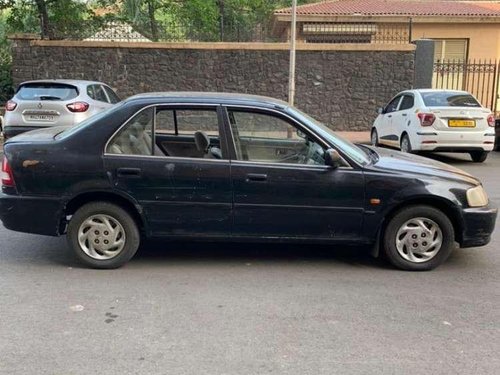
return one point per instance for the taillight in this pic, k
(426, 119)
(10, 105)
(7, 178)
(491, 120)
(78, 106)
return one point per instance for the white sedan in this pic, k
(436, 120)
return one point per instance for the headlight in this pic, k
(477, 197)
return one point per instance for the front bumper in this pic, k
(478, 225)
(31, 214)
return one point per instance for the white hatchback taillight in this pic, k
(7, 177)
(426, 119)
(78, 106)
(491, 120)
(10, 105)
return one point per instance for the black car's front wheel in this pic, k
(418, 238)
(103, 235)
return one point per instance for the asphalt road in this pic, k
(249, 309)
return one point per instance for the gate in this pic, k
(479, 77)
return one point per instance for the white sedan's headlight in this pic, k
(477, 197)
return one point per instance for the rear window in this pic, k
(449, 99)
(47, 91)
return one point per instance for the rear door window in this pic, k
(407, 102)
(113, 98)
(100, 94)
(393, 105)
(449, 99)
(47, 91)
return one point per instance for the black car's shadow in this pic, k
(237, 252)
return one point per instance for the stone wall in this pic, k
(341, 85)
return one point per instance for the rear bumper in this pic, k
(30, 214)
(12, 131)
(478, 225)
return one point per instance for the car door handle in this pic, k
(128, 172)
(389, 115)
(404, 114)
(256, 177)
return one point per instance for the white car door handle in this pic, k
(404, 114)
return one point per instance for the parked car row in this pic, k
(436, 121)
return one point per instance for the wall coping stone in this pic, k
(36, 41)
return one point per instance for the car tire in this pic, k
(374, 138)
(399, 241)
(103, 235)
(405, 144)
(478, 156)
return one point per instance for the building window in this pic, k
(450, 49)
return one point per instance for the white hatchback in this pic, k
(437, 121)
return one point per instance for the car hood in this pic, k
(395, 161)
(39, 135)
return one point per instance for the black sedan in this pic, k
(232, 167)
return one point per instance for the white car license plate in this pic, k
(45, 118)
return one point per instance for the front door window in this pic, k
(267, 138)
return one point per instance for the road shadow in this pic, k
(238, 252)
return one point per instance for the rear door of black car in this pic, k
(182, 193)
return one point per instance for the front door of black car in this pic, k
(171, 161)
(281, 185)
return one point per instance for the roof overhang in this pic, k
(282, 18)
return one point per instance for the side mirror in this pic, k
(332, 158)
(380, 111)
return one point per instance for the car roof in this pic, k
(217, 97)
(437, 90)
(79, 82)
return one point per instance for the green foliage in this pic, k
(6, 89)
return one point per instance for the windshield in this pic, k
(87, 122)
(350, 149)
(449, 99)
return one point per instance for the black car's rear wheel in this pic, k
(478, 156)
(418, 238)
(103, 235)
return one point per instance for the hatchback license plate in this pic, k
(461, 123)
(47, 118)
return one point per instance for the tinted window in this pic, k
(136, 137)
(187, 121)
(407, 102)
(448, 99)
(99, 93)
(47, 91)
(90, 91)
(113, 98)
(269, 138)
(393, 105)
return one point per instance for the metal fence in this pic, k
(479, 77)
(307, 32)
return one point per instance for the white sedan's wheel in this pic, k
(405, 144)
